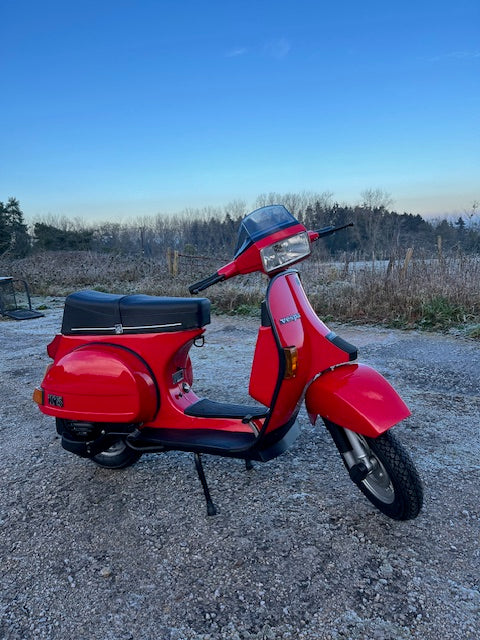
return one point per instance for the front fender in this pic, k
(356, 397)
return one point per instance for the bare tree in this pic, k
(473, 215)
(375, 204)
(235, 209)
(376, 199)
(296, 203)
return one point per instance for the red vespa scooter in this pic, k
(121, 380)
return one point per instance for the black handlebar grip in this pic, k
(327, 231)
(207, 282)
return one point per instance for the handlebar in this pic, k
(233, 268)
(327, 231)
(206, 282)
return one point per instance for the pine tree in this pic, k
(14, 236)
(4, 230)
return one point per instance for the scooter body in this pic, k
(122, 377)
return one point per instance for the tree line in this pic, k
(378, 232)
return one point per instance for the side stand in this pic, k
(211, 509)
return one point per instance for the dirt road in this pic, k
(296, 551)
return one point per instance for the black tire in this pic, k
(117, 456)
(393, 486)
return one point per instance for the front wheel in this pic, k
(383, 471)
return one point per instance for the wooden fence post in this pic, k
(406, 262)
(175, 264)
(390, 265)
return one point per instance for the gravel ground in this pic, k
(296, 551)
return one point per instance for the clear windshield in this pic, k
(262, 223)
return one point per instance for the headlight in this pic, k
(285, 252)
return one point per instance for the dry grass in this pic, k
(61, 272)
(432, 293)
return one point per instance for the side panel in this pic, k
(356, 397)
(169, 365)
(100, 383)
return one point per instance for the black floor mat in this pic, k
(210, 409)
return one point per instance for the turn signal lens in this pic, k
(38, 395)
(291, 362)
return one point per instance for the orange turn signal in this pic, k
(38, 395)
(291, 362)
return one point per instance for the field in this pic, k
(406, 292)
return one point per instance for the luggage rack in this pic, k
(15, 299)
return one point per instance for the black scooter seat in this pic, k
(90, 312)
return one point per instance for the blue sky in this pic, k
(117, 109)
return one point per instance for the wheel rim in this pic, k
(378, 481)
(116, 449)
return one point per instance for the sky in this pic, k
(117, 109)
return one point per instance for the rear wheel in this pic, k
(117, 456)
(382, 470)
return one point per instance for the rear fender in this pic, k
(100, 383)
(356, 397)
